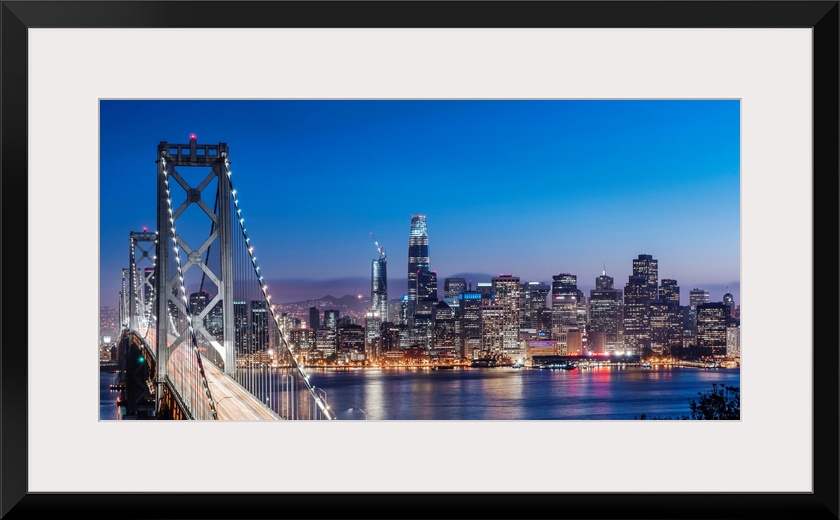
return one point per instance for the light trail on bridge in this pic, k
(233, 402)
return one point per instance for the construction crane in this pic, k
(379, 248)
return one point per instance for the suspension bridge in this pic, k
(200, 337)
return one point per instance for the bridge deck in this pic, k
(233, 402)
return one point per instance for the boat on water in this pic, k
(559, 366)
(646, 365)
(443, 367)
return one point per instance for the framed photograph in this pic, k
(753, 85)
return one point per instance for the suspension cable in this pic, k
(267, 298)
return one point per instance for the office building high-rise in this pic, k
(648, 267)
(351, 338)
(486, 290)
(470, 324)
(729, 301)
(379, 286)
(636, 315)
(492, 330)
(665, 327)
(642, 288)
(396, 310)
(331, 317)
(695, 297)
(214, 322)
(564, 308)
(507, 294)
(259, 326)
(389, 337)
(669, 291)
(534, 301)
(418, 254)
(373, 329)
(452, 287)
(314, 318)
(240, 324)
(378, 312)
(733, 339)
(605, 329)
(604, 281)
(666, 319)
(711, 329)
(198, 302)
(443, 319)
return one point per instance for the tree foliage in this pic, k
(722, 402)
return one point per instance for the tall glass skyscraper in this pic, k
(379, 287)
(418, 255)
(421, 281)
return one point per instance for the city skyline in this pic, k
(318, 177)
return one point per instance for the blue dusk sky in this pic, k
(531, 188)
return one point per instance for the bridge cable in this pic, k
(271, 308)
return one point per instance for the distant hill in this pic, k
(347, 305)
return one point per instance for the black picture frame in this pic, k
(19, 16)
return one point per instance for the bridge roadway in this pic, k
(233, 401)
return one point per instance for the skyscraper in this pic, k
(711, 329)
(198, 301)
(696, 297)
(564, 303)
(492, 330)
(331, 319)
(669, 291)
(534, 297)
(666, 319)
(470, 317)
(604, 281)
(443, 319)
(214, 322)
(507, 291)
(605, 317)
(259, 325)
(379, 287)
(636, 314)
(418, 255)
(733, 339)
(729, 301)
(240, 323)
(648, 267)
(314, 318)
(642, 287)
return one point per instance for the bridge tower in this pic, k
(125, 317)
(195, 249)
(140, 293)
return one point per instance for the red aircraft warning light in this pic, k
(192, 137)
